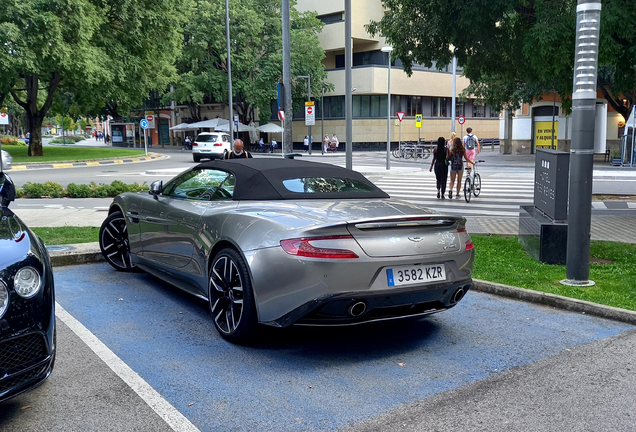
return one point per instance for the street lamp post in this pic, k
(308, 77)
(387, 50)
(322, 119)
(229, 68)
(577, 262)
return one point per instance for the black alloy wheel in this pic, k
(114, 243)
(468, 186)
(231, 297)
(477, 185)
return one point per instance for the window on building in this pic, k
(439, 107)
(331, 18)
(336, 106)
(459, 108)
(479, 109)
(369, 106)
(340, 61)
(396, 104)
(494, 112)
(413, 105)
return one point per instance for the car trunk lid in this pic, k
(408, 235)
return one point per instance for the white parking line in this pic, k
(177, 421)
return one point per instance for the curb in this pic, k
(556, 301)
(88, 253)
(32, 166)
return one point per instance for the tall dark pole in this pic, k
(288, 143)
(229, 69)
(322, 117)
(348, 87)
(588, 20)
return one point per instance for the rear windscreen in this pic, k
(312, 185)
(207, 138)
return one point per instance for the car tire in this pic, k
(114, 243)
(231, 297)
(196, 158)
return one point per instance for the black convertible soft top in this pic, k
(262, 178)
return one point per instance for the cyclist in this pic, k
(471, 142)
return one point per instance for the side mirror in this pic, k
(156, 188)
(7, 190)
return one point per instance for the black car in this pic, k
(27, 303)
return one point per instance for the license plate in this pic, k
(416, 274)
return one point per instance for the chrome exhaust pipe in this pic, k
(459, 294)
(357, 309)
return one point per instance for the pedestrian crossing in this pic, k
(499, 197)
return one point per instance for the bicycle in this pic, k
(472, 184)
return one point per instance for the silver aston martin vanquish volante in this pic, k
(285, 242)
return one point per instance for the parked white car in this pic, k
(210, 145)
(6, 161)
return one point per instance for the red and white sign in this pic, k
(281, 115)
(151, 121)
(310, 110)
(461, 119)
(400, 115)
(310, 115)
(4, 119)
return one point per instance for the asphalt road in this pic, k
(487, 364)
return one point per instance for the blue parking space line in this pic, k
(309, 379)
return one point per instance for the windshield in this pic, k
(207, 138)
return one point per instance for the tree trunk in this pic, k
(35, 116)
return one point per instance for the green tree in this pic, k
(256, 46)
(513, 50)
(98, 51)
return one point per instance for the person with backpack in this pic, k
(456, 157)
(471, 142)
(238, 152)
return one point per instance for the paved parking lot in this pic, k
(183, 373)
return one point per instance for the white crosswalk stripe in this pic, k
(500, 197)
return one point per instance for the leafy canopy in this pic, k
(513, 50)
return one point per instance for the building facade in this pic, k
(427, 92)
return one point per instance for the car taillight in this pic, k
(469, 244)
(218, 144)
(303, 247)
(194, 144)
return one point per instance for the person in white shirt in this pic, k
(471, 142)
(306, 144)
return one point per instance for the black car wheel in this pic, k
(114, 243)
(196, 158)
(231, 298)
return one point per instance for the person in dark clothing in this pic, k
(440, 161)
(238, 152)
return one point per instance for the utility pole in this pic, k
(309, 99)
(348, 87)
(288, 143)
(454, 101)
(588, 21)
(387, 50)
(229, 69)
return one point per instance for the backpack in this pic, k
(470, 142)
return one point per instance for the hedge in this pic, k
(91, 190)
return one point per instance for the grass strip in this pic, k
(69, 154)
(67, 235)
(503, 259)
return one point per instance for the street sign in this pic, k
(418, 120)
(310, 114)
(143, 123)
(151, 121)
(400, 115)
(461, 120)
(4, 118)
(236, 119)
(281, 115)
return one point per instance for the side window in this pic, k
(226, 138)
(204, 184)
